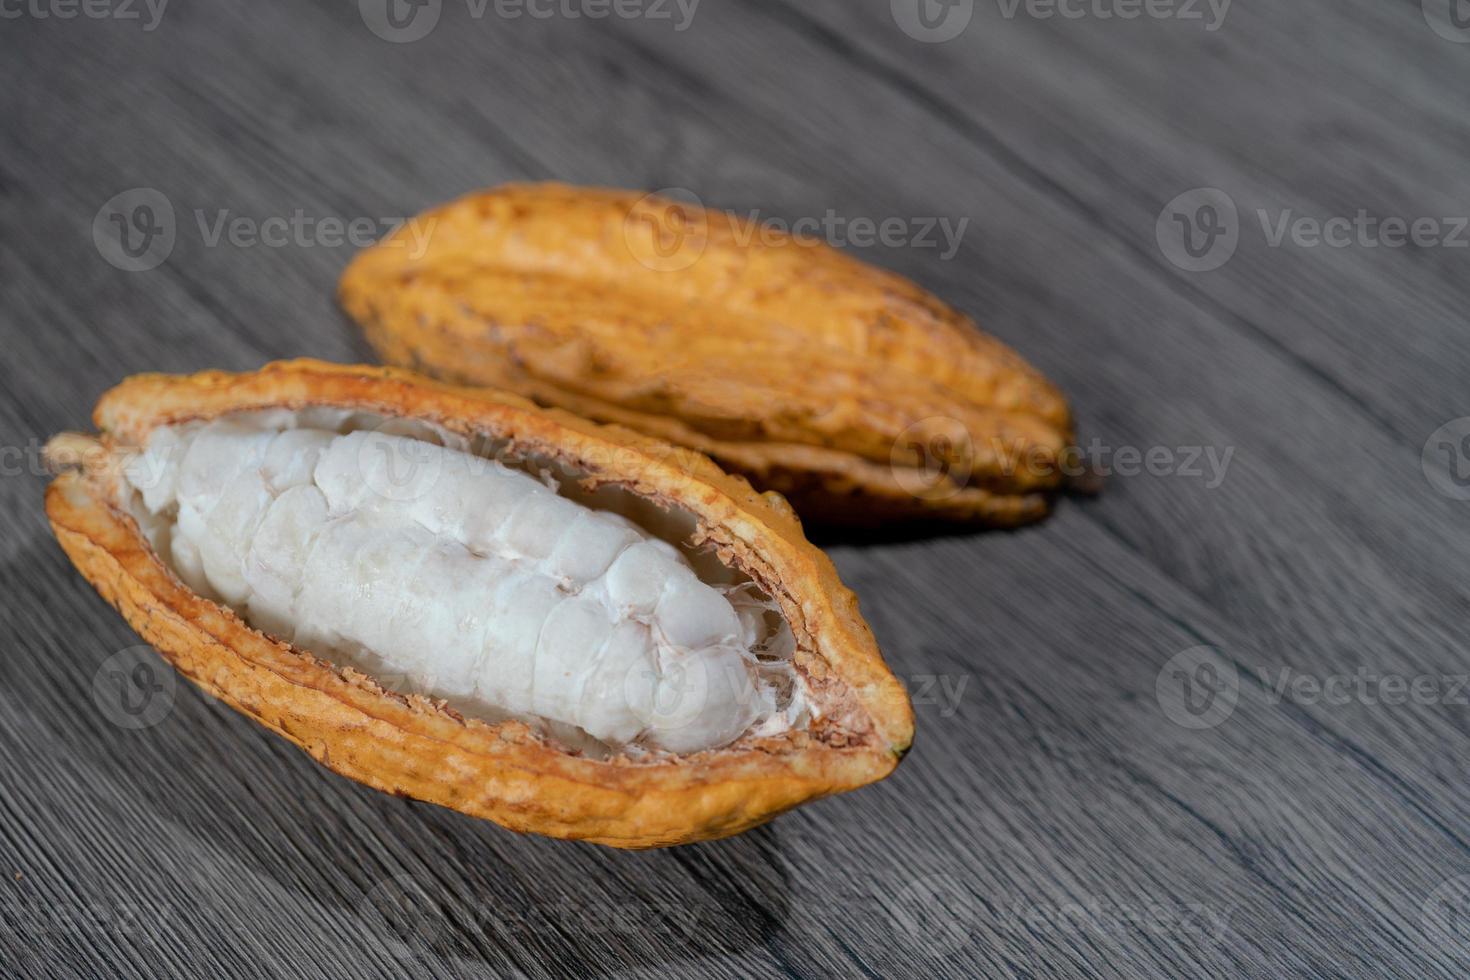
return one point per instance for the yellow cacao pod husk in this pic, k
(413, 745)
(850, 390)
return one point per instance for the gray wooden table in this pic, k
(1211, 723)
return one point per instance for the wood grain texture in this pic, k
(1053, 819)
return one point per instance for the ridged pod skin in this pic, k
(412, 746)
(852, 391)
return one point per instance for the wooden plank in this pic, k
(1053, 820)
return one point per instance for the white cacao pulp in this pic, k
(467, 579)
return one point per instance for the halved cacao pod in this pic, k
(855, 726)
(851, 390)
